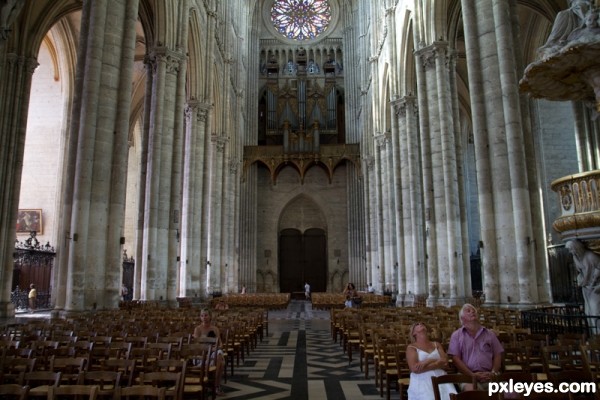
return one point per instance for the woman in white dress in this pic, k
(425, 359)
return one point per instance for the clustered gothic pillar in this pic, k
(411, 266)
(512, 246)
(161, 215)
(446, 256)
(15, 85)
(89, 267)
(193, 247)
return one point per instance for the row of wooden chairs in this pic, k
(84, 392)
(381, 342)
(191, 376)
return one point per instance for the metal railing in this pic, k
(20, 298)
(554, 321)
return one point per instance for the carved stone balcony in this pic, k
(329, 157)
(579, 197)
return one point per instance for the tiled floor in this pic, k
(299, 360)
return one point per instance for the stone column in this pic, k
(426, 274)
(89, 268)
(16, 71)
(193, 249)
(451, 285)
(412, 263)
(505, 164)
(248, 224)
(141, 191)
(15, 85)
(217, 162)
(377, 195)
(163, 161)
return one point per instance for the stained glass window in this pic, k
(301, 19)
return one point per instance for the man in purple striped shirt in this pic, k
(475, 350)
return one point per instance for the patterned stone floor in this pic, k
(299, 360)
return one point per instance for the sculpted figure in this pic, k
(566, 22)
(590, 30)
(587, 264)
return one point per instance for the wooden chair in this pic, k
(13, 391)
(195, 380)
(164, 349)
(388, 370)
(558, 358)
(591, 360)
(107, 382)
(170, 365)
(145, 358)
(549, 396)
(141, 392)
(455, 379)
(75, 392)
(15, 368)
(516, 376)
(137, 341)
(40, 381)
(125, 367)
(176, 343)
(403, 371)
(474, 395)
(69, 367)
(42, 351)
(367, 346)
(171, 381)
(514, 359)
(119, 349)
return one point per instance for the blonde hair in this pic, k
(411, 335)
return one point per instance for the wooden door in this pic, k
(302, 258)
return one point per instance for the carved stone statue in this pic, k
(569, 67)
(9, 10)
(566, 21)
(590, 31)
(587, 264)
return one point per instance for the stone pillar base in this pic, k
(7, 310)
(445, 301)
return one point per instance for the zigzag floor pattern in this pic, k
(298, 360)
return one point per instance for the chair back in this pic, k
(138, 391)
(474, 395)
(13, 391)
(78, 392)
(450, 378)
(107, 382)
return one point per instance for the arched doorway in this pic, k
(302, 258)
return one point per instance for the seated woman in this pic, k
(351, 294)
(425, 359)
(207, 330)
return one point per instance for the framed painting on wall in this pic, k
(29, 220)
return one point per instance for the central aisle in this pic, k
(298, 360)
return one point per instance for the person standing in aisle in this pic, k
(307, 290)
(32, 298)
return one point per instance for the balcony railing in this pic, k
(579, 201)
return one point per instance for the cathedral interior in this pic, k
(189, 148)
(305, 187)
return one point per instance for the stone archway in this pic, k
(302, 246)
